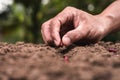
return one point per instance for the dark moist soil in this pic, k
(26, 61)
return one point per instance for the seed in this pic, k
(112, 50)
(66, 59)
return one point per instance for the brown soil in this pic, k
(23, 61)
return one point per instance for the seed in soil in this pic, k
(112, 50)
(66, 59)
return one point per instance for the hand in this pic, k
(74, 25)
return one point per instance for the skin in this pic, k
(76, 26)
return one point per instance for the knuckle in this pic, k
(101, 31)
(46, 24)
(53, 21)
(69, 7)
(43, 25)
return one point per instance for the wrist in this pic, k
(111, 17)
(106, 20)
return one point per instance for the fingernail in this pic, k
(56, 42)
(61, 44)
(66, 40)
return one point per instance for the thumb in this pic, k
(72, 36)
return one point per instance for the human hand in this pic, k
(74, 25)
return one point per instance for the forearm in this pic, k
(112, 16)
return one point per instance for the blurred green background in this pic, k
(22, 19)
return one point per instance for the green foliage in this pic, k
(22, 22)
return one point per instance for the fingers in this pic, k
(45, 30)
(73, 36)
(55, 30)
(50, 32)
(51, 29)
(72, 25)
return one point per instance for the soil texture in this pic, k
(27, 61)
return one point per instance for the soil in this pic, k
(27, 61)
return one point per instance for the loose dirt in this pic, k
(27, 61)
